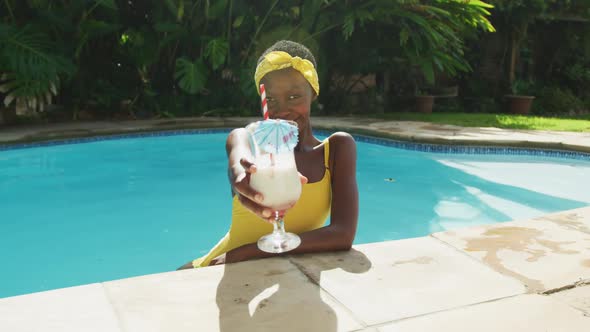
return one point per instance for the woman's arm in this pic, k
(340, 234)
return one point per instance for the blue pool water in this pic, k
(82, 213)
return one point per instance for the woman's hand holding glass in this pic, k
(250, 198)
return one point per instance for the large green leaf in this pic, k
(216, 52)
(238, 22)
(191, 76)
(28, 91)
(479, 4)
(30, 69)
(427, 70)
(348, 27)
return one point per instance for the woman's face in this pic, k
(288, 95)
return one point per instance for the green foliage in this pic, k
(494, 120)
(191, 76)
(430, 33)
(523, 87)
(185, 57)
(555, 100)
(578, 73)
(30, 70)
(216, 52)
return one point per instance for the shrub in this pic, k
(554, 100)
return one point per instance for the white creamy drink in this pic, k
(279, 183)
(273, 143)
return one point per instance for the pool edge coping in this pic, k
(130, 127)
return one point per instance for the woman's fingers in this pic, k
(242, 180)
(248, 165)
(303, 178)
(242, 186)
(260, 211)
(250, 198)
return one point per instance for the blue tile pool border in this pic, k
(474, 149)
(108, 137)
(405, 145)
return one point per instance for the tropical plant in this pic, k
(31, 72)
(186, 57)
(429, 33)
(521, 87)
(407, 43)
(40, 57)
(556, 100)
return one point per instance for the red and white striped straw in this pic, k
(263, 100)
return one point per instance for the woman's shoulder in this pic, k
(341, 139)
(342, 156)
(342, 149)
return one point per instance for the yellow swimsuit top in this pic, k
(309, 213)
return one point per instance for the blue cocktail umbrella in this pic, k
(276, 136)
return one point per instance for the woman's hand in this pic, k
(250, 198)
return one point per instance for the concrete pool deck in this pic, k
(524, 275)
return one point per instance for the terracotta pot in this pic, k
(424, 104)
(519, 104)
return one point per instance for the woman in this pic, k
(327, 168)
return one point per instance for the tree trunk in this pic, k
(513, 57)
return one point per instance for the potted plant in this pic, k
(513, 18)
(424, 102)
(521, 99)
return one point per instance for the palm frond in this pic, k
(30, 71)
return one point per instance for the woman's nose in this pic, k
(278, 109)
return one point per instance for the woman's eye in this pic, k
(293, 97)
(269, 99)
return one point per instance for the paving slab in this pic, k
(578, 297)
(545, 253)
(82, 308)
(399, 279)
(263, 295)
(518, 314)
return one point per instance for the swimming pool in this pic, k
(73, 214)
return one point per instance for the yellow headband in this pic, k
(277, 60)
